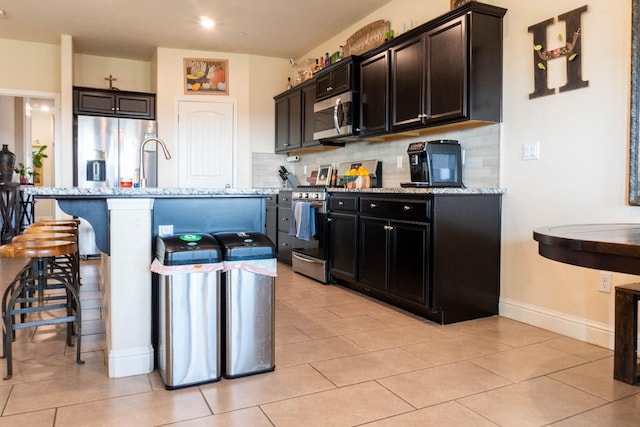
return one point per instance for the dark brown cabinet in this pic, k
(285, 240)
(374, 95)
(308, 93)
(294, 119)
(288, 121)
(436, 255)
(394, 245)
(343, 237)
(336, 79)
(447, 71)
(271, 218)
(98, 102)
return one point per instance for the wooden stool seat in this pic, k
(67, 237)
(625, 353)
(64, 222)
(38, 249)
(51, 229)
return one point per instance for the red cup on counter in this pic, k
(126, 182)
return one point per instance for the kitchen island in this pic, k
(126, 222)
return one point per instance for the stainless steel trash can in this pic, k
(248, 304)
(188, 309)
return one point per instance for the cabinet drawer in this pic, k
(397, 209)
(284, 215)
(337, 203)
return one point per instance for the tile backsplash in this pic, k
(481, 168)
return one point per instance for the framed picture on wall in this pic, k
(206, 76)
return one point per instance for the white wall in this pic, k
(581, 176)
(251, 81)
(91, 70)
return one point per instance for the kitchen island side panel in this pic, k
(466, 256)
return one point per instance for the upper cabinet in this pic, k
(102, 102)
(444, 73)
(374, 95)
(334, 80)
(448, 72)
(288, 121)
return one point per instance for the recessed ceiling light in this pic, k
(206, 22)
(2, 13)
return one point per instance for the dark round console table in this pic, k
(611, 247)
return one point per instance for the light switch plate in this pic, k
(165, 230)
(531, 151)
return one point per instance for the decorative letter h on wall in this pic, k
(571, 52)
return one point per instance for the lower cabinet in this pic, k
(285, 240)
(437, 255)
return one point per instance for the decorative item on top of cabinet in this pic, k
(457, 3)
(116, 103)
(366, 38)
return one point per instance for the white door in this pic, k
(206, 135)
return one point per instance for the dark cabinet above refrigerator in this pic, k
(116, 103)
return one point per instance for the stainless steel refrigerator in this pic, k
(106, 151)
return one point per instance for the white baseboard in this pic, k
(596, 333)
(136, 361)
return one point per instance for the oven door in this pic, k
(333, 117)
(309, 257)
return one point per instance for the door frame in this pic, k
(57, 134)
(234, 131)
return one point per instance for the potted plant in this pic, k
(26, 172)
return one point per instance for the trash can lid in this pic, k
(187, 248)
(245, 246)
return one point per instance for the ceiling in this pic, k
(132, 29)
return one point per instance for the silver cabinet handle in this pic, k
(284, 244)
(329, 220)
(341, 203)
(373, 206)
(407, 208)
(329, 88)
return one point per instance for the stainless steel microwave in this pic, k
(334, 117)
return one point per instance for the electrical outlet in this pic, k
(604, 282)
(165, 230)
(399, 162)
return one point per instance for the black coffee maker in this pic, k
(435, 164)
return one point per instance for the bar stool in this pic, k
(57, 222)
(73, 260)
(31, 292)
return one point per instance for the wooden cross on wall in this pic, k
(111, 80)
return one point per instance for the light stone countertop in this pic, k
(75, 192)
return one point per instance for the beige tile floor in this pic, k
(341, 360)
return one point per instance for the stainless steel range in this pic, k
(310, 257)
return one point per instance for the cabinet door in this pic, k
(374, 95)
(142, 106)
(282, 124)
(343, 241)
(308, 99)
(372, 253)
(446, 75)
(407, 84)
(289, 122)
(408, 267)
(94, 103)
(271, 223)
